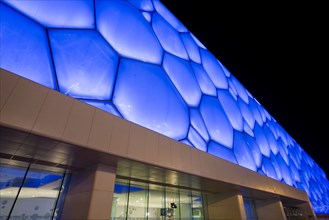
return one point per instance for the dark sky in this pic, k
(279, 53)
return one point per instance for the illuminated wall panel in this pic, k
(24, 47)
(136, 60)
(85, 63)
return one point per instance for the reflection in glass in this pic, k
(38, 195)
(156, 201)
(137, 205)
(250, 209)
(137, 200)
(31, 193)
(120, 199)
(11, 180)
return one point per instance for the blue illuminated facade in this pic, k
(136, 60)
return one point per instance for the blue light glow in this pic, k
(242, 152)
(191, 47)
(231, 109)
(59, 14)
(206, 85)
(197, 140)
(171, 19)
(214, 69)
(198, 123)
(254, 108)
(246, 113)
(240, 89)
(262, 140)
(218, 125)
(24, 48)
(140, 63)
(157, 105)
(125, 28)
(185, 81)
(145, 5)
(268, 168)
(254, 149)
(104, 105)
(168, 37)
(221, 151)
(271, 140)
(85, 64)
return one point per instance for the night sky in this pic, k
(279, 53)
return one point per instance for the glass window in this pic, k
(156, 202)
(31, 192)
(172, 203)
(197, 205)
(137, 201)
(185, 204)
(120, 199)
(250, 209)
(11, 179)
(38, 196)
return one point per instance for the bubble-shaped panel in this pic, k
(285, 171)
(214, 69)
(24, 48)
(197, 41)
(157, 105)
(104, 105)
(254, 108)
(232, 87)
(271, 139)
(197, 141)
(125, 28)
(182, 75)
(227, 73)
(240, 89)
(262, 140)
(294, 171)
(85, 64)
(276, 167)
(191, 47)
(206, 85)
(58, 14)
(221, 151)
(147, 16)
(246, 113)
(197, 101)
(242, 152)
(219, 127)
(170, 18)
(198, 123)
(271, 124)
(268, 168)
(254, 149)
(247, 129)
(168, 36)
(145, 5)
(231, 108)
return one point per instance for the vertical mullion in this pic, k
(19, 191)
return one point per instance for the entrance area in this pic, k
(138, 200)
(31, 191)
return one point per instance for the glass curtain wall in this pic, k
(31, 192)
(250, 209)
(136, 200)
